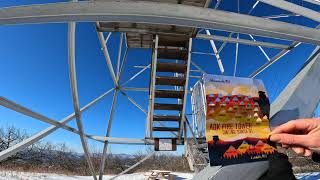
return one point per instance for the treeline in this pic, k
(59, 158)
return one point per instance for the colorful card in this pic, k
(237, 120)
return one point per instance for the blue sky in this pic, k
(34, 73)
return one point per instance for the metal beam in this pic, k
(23, 110)
(124, 61)
(230, 35)
(276, 58)
(158, 13)
(152, 86)
(107, 57)
(261, 49)
(186, 89)
(131, 141)
(136, 75)
(74, 90)
(300, 98)
(134, 103)
(38, 136)
(241, 41)
(280, 16)
(119, 57)
(198, 67)
(217, 4)
(105, 147)
(236, 58)
(291, 7)
(215, 50)
(317, 2)
(134, 89)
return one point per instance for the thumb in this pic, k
(290, 139)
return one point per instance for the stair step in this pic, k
(173, 53)
(174, 41)
(169, 94)
(166, 118)
(162, 106)
(171, 81)
(165, 129)
(171, 67)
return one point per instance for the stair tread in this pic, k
(166, 118)
(165, 129)
(173, 81)
(171, 67)
(173, 53)
(169, 94)
(165, 106)
(176, 41)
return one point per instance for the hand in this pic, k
(302, 135)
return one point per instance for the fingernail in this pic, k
(274, 138)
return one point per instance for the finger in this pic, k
(307, 153)
(290, 139)
(298, 150)
(285, 146)
(291, 126)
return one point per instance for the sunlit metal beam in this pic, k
(157, 13)
(294, 8)
(74, 90)
(38, 136)
(317, 2)
(215, 50)
(241, 41)
(106, 144)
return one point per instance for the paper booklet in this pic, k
(237, 120)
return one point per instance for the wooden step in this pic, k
(165, 129)
(166, 118)
(171, 67)
(171, 107)
(174, 41)
(173, 53)
(170, 81)
(169, 94)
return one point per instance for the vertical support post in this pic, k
(149, 123)
(183, 118)
(75, 99)
(106, 143)
(185, 138)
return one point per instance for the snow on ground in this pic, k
(15, 175)
(309, 176)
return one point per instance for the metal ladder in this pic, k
(171, 56)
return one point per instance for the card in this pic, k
(237, 120)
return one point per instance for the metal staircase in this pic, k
(169, 83)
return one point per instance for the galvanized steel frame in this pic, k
(155, 13)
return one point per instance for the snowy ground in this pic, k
(14, 175)
(309, 176)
